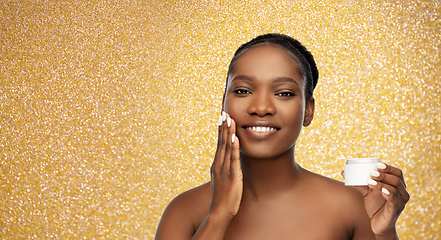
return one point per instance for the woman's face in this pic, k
(266, 98)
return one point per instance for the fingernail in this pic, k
(385, 191)
(375, 173)
(224, 116)
(381, 165)
(234, 138)
(371, 182)
(228, 121)
(220, 121)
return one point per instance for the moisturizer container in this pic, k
(358, 170)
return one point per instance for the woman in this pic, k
(257, 190)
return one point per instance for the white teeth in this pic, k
(261, 129)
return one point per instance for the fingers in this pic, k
(391, 170)
(392, 201)
(226, 175)
(220, 151)
(235, 160)
(390, 181)
(394, 177)
(229, 127)
(223, 157)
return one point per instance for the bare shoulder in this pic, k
(192, 200)
(185, 213)
(343, 201)
(334, 190)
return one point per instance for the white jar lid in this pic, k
(362, 160)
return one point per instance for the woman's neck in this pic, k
(269, 177)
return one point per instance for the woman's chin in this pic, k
(264, 152)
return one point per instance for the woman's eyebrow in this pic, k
(285, 79)
(242, 77)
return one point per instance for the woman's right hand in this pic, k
(226, 173)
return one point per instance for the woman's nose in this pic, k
(262, 104)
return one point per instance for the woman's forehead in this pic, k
(266, 59)
(269, 45)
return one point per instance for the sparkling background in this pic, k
(108, 108)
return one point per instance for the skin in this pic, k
(257, 190)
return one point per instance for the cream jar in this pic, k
(358, 170)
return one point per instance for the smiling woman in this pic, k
(257, 189)
(274, 97)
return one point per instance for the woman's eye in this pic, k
(241, 91)
(285, 94)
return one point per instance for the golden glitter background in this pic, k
(108, 108)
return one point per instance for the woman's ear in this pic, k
(309, 112)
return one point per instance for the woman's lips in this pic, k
(261, 129)
(260, 132)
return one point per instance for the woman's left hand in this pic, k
(384, 199)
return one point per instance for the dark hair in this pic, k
(305, 59)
